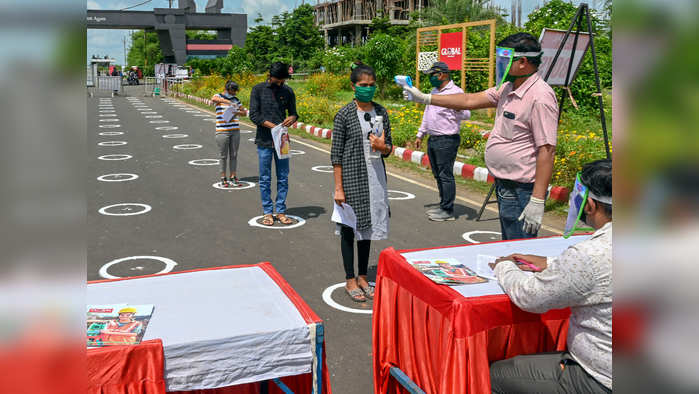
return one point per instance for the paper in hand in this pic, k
(483, 268)
(230, 112)
(280, 136)
(344, 214)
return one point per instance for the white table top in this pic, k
(218, 327)
(467, 254)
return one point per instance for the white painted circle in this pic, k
(117, 177)
(107, 111)
(109, 126)
(296, 152)
(327, 297)
(203, 115)
(467, 235)
(159, 121)
(164, 128)
(209, 120)
(251, 139)
(105, 106)
(322, 168)
(106, 115)
(109, 120)
(253, 222)
(108, 133)
(144, 109)
(175, 136)
(149, 113)
(245, 131)
(112, 143)
(169, 265)
(146, 208)
(187, 146)
(248, 185)
(204, 162)
(153, 116)
(405, 195)
(115, 157)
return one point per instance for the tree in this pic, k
(557, 14)
(153, 55)
(386, 54)
(200, 35)
(297, 36)
(444, 12)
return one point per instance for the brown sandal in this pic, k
(283, 219)
(268, 220)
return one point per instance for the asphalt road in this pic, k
(196, 225)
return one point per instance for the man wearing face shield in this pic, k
(580, 278)
(521, 148)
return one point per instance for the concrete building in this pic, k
(347, 21)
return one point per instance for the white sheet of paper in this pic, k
(344, 215)
(229, 113)
(482, 267)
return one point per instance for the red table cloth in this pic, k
(444, 341)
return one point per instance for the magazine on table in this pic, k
(447, 271)
(117, 324)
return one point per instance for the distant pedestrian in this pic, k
(273, 103)
(360, 177)
(443, 126)
(228, 132)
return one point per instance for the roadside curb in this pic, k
(463, 170)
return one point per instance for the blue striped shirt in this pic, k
(221, 125)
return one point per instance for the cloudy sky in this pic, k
(109, 42)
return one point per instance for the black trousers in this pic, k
(347, 249)
(541, 373)
(441, 149)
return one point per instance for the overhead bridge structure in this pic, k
(171, 24)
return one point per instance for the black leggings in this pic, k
(347, 248)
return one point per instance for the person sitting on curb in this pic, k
(443, 126)
(580, 278)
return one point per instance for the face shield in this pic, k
(576, 207)
(503, 61)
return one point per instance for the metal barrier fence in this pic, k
(109, 83)
(153, 86)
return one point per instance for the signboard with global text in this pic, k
(451, 49)
(550, 41)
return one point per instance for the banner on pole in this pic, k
(451, 51)
(550, 40)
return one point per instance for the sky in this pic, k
(109, 42)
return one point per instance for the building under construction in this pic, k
(347, 21)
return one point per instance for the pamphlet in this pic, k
(280, 136)
(344, 214)
(117, 324)
(229, 112)
(447, 271)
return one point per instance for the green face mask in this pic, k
(435, 81)
(364, 93)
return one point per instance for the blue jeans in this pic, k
(512, 198)
(265, 156)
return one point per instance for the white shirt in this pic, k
(580, 278)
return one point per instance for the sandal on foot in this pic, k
(357, 295)
(268, 220)
(224, 181)
(368, 291)
(283, 219)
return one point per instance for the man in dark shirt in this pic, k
(272, 103)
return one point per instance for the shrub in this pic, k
(326, 84)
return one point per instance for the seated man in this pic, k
(580, 278)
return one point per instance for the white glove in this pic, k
(532, 215)
(417, 95)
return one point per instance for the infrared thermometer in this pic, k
(404, 80)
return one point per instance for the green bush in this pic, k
(326, 84)
(385, 55)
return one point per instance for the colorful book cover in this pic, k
(117, 324)
(447, 271)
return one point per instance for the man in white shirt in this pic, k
(581, 279)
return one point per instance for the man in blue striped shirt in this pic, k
(228, 131)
